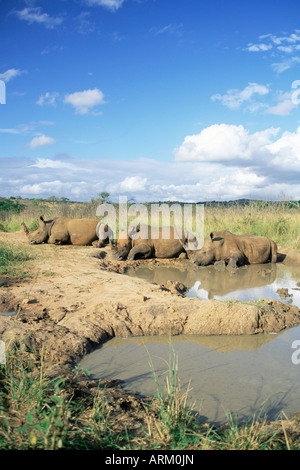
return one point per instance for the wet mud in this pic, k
(74, 299)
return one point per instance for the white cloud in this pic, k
(133, 184)
(174, 29)
(257, 165)
(9, 131)
(281, 47)
(85, 25)
(287, 49)
(41, 141)
(112, 5)
(35, 15)
(233, 99)
(284, 65)
(286, 150)
(48, 163)
(84, 101)
(10, 73)
(284, 106)
(48, 99)
(25, 128)
(259, 47)
(223, 142)
(286, 44)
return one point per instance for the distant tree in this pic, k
(101, 198)
(10, 205)
(104, 197)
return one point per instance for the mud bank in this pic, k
(77, 297)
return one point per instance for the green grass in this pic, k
(42, 413)
(12, 259)
(279, 221)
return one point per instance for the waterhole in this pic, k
(265, 281)
(241, 375)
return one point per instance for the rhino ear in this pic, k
(216, 236)
(25, 229)
(42, 218)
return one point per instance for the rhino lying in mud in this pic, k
(145, 242)
(64, 230)
(235, 250)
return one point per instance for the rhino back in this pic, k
(82, 231)
(164, 241)
(256, 249)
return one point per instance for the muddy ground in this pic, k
(74, 298)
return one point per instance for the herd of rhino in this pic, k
(142, 242)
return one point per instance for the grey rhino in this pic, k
(64, 230)
(235, 250)
(144, 241)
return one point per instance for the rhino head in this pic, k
(104, 234)
(124, 243)
(40, 235)
(210, 250)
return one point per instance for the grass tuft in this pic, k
(12, 259)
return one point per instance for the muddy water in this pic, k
(242, 375)
(246, 283)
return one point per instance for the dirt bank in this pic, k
(77, 297)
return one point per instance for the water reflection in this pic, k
(247, 283)
(242, 375)
(238, 374)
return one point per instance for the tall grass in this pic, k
(279, 221)
(38, 412)
(173, 424)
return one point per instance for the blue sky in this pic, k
(188, 100)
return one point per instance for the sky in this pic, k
(154, 100)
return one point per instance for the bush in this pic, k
(11, 206)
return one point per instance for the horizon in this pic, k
(163, 101)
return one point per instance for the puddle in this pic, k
(247, 283)
(242, 375)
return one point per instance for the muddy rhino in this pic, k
(64, 230)
(235, 250)
(145, 242)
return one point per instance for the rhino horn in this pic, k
(25, 229)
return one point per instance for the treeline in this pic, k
(17, 204)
